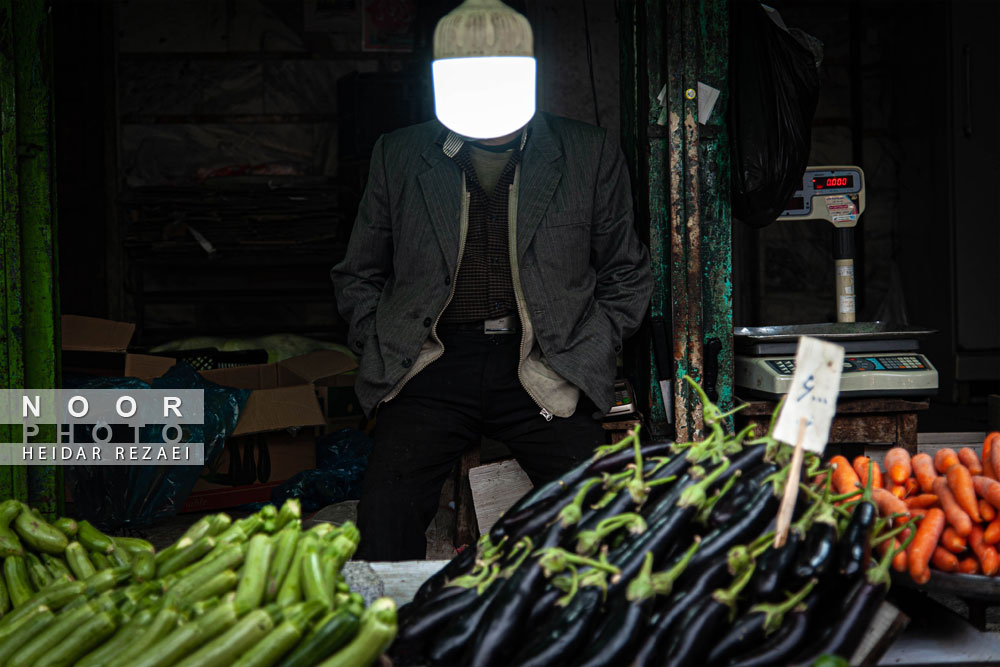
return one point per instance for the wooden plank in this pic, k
(495, 488)
(888, 623)
(952, 439)
(401, 579)
(465, 525)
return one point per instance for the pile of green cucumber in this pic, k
(254, 592)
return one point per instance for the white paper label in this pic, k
(813, 395)
(707, 97)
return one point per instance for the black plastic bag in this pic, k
(138, 495)
(341, 461)
(774, 87)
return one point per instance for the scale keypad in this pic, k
(909, 362)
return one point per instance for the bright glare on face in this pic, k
(485, 97)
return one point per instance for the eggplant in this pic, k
(773, 570)
(564, 633)
(545, 603)
(451, 640)
(433, 616)
(845, 634)
(663, 622)
(734, 502)
(755, 517)
(750, 630)
(616, 639)
(459, 565)
(817, 555)
(551, 512)
(786, 642)
(748, 459)
(854, 547)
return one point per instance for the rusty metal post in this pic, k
(681, 179)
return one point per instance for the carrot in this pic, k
(922, 501)
(897, 464)
(987, 488)
(968, 457)
(923, 468)
(952, 541)
(898, 490)
(960, 483)
(845, 479)
(945, 458)
(987, 459)
(889, 504)
(989, 559)
(912, 487)
(861, 464)
(968, 565)
(992, 533)
(918, 511)
(957, 517)
(922, 548)
(944, 560)
(899, 560)
(987, 511)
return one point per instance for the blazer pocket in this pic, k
(567, 218)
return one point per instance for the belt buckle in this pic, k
(499, 325)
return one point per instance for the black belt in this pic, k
(496, 326)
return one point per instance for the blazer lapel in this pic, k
(442, 186)
(538, 181)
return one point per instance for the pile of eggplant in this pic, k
(661, 554)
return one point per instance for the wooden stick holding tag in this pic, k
(791, 488)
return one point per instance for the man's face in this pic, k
(484, 97)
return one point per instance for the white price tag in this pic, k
(813, 395)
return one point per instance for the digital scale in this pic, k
(880, 359)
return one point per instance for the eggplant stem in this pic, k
(706, 510)
(889, 534)
(660, 482)
(774, 613)
(757, 548)
(695, 494)
(641, 587)
(574, 586)
(663, 582)
(879, 575)
(727, 596)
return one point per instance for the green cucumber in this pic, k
(198, 529)
(378, 629)
(321, 530)
(204, 571)
(55, 596)
(37, 574)
(91, 633)
(39, 534)
(184, 557)
(122, 639)
(10, 545)
(182, 543)
(66, 526)
(221, 583)
(290, 511)
(55, 632)
(222, 651)
(275, 645)
(121, 557)
(290, 591)
(99, 560)
(220, 523)
(57, 567)
(33, 624)
(182, 641)
(133, 545)
(284, 551)
(4, 598)
(254, 573)
(79, 563)
(105, 580)
(144, 566)
(15, 573)
(332, 632)
(316, 583)
(93, 539)
(164, 623)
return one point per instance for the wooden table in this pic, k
(858, 420)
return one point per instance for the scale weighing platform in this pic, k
(879, 359)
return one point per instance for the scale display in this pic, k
(883, 374)
(835, 194)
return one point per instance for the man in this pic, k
(489, 285)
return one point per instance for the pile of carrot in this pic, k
(954, 496)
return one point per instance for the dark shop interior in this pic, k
(733, 261)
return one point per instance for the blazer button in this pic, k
(618, 348)
(447, 280)
(427, 321)
(360, 344)
(407, 363)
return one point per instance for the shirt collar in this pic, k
(453, 142)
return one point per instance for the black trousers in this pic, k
(470, 392)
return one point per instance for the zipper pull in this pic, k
(545, 413)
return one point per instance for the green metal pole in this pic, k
(13, 480)
(39, 260)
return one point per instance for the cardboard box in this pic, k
(285, 395)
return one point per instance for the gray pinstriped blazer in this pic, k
(584, 274)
